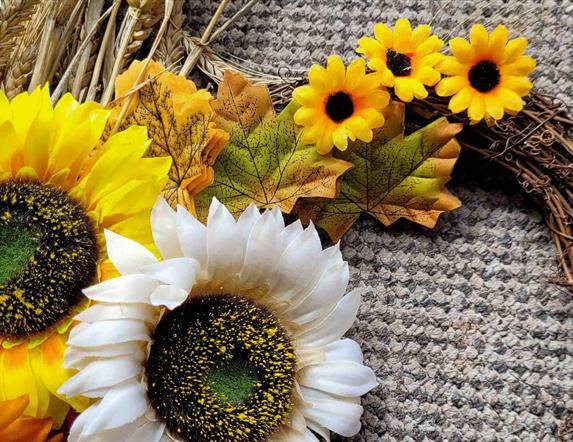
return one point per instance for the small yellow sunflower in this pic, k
(338, 104)
(17, 427)
(406, 60)
(488, 75)
(60, 187)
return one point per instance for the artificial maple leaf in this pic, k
(394, 176)
(265, 161)
(178, 118)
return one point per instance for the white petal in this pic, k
(148, 432)
(288, 434)
(80, 423)
(298, 264)
(77, 358)
(290, 232)
(126, 255)
(342, 378)
(109, 332)
(263, 251)
(323, 296)
(164, 229)
(120, 406)
(106, 312)
(180, 272)
(123, 433)
(319, 429)
(101, 374)
(278, 216)
(343, 350)
(169, 296)
(192, 236)
(225, 245)
(247, 220)
(124, 289)
(338, 415)
(335, 324)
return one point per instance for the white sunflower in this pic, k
(234, 335)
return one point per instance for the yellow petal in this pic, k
(428, 76)
(514, 49)
(384, 35)
(336, 73)
(373, 117)
(371, 48)
(27, 429)
(312, 134)
(476, 111)
(388, 78)
(305, 116)
(402, 36)
(510, 100)
(306, 96)
(479, 39)
(340, 138)
(519, 85)
(461, 101)
(462, 50)
(432, 44)
(360, 128)
(324, 145)
(451, 66)
(17, 377)
(12, 409)
(450, 86)
(523, 65)
(493, 106)
(356, 73)
(403, 89)
(317, 77)
(377, 99)
(420, 34)
(497, 42)
(418, 89)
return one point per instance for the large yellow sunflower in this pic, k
(60, 187)
(339, 104)
(406, 60)
(488, 75)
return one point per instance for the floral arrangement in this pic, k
(150, 287)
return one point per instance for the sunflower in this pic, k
(16, 427)
(488, 75)
(339, 104)
(405, 60)
(59, 189)
(233, 336)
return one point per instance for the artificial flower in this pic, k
(17, 427)
(234, 335)
(488, 75)
(405, 59)
(339, 103)
(59, 189)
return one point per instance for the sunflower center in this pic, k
(232, 381)
(48, 255)
(484, 76)
(17, 245)
(339, 106)
(221, 368)
(399, 64)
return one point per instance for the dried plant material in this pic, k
(178, 118)
(14, 14)
(394, 176)
(265, 161)
(171, 50)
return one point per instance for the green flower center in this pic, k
(48, 254)
(17, 245)
(339, 106)
(221, 368)
(484, 76)
(399, 64)
(232, 381)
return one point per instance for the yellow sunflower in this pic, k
(17, 427)
(488, 75)
(60, 187)
(339, 103)
(405, 59)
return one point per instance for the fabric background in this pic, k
(469, 338)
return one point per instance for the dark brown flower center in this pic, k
(399, 64)
(339, 107)
(484, 76)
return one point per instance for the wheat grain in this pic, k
(14, 14)
(171, 50)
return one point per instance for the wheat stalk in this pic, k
(171, 50)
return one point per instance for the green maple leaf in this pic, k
(394, 176)
(265, 161)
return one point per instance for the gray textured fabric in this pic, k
(468, 338)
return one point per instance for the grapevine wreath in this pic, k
(170, 260)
